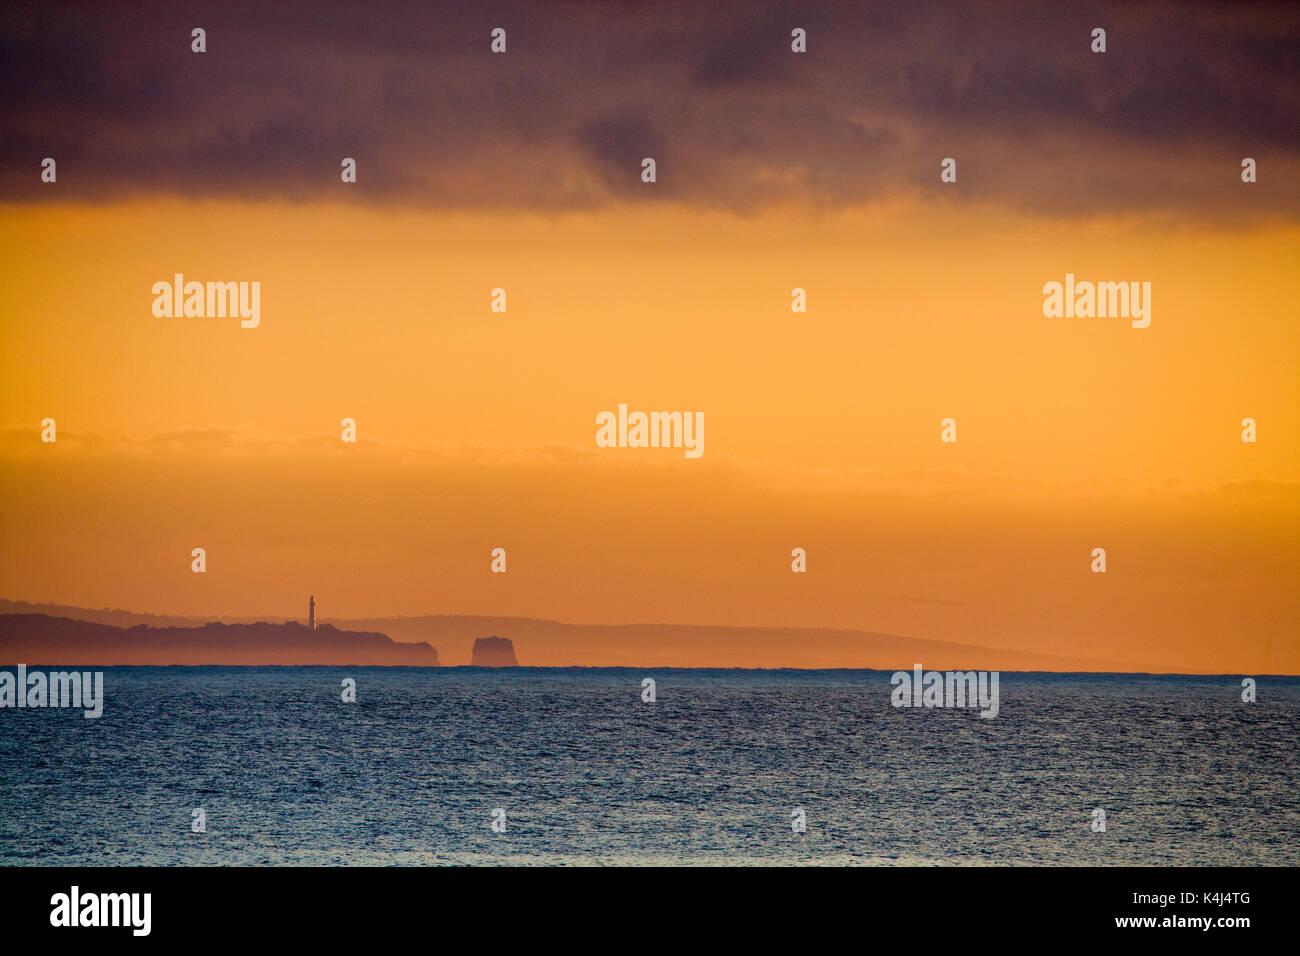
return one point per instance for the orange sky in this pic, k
(476, 429)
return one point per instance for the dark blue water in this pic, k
(588, 773)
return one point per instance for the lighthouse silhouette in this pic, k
(311, 613)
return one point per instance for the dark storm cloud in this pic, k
(619, 143)
(734, 119)
(754, 49)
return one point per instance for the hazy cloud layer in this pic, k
(20, 447)
(734, 119)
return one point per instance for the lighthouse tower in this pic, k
(311, 613)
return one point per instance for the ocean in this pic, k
(714, 771)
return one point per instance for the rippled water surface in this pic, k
(588, 773)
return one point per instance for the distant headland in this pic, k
(544, 643)
(42, 639)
